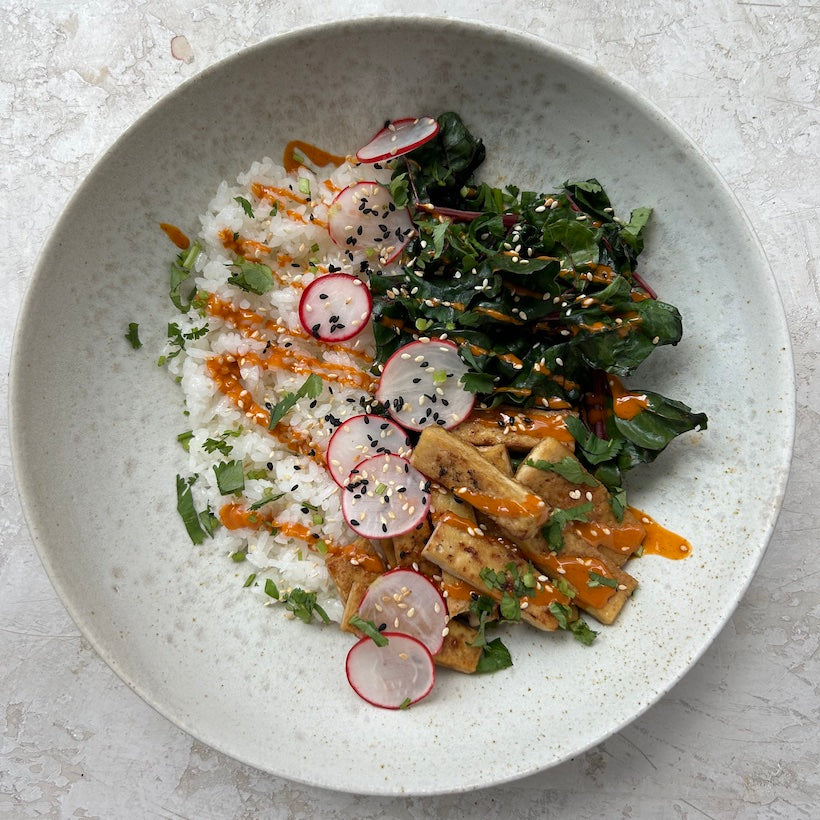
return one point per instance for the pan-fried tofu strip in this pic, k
(386, 545)
(457, 651)
(461, 468)
(498, 455)
(408, 549)
(354, 600)
(601, 587)
(442, 501)
(464, 550)
(359, 561)
(602, 529)
(519, 430)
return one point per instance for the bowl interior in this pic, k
(95, 423)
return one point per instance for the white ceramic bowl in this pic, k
(94, 423)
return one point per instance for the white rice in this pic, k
(287, 560)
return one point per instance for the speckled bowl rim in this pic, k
(554, 53)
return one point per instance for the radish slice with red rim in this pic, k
(361, 437)
(364, 219)
(398, 137)
(405, 601)
(335, 307)
(392, 676)
(385, 496)
(420, 385)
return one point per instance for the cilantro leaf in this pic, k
(246, 206)
(495, 657)
(230, 477)
(311, 388)
(568, 468)
(187, 511)
(368, 628)
(582, 632)
(596, 580)
(303, 605)
(271, 589)
(482, 608)
(181, 269)
(133, 335)
(553, 530)
(251, 276)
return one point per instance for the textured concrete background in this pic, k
(738, 737)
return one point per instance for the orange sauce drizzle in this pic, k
(502, 507)
(626, 405)
(224, 371)
(624, 538)
(544, 596)
(176, 235)
(660, 541)
(275, 194)
(553, 426)
(236, 517)
(311, 152)
(575, 569)
(458, 590)
(356, 555)
(250, 323)
(243, 247)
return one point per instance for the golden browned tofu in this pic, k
(602, 529)
(443, 501)
(601, 587)
(386, 545)
(359, 561)
(457, 651)
(517, 429)
(498, 455)
(457, 465)
(456, 592)
(465, 551)
(354, 600)
(408, 547)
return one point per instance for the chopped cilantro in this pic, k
(187, 511)
(246, 206)
(185, 439)
(271, 589)
(180, 272)
(249, 580)
(230, 477)
(212, 444)
(252, 475)
(553, 530)
(311, 388)
(267, 496)
(303, 605)
(582, 633)
(368, 628)
(596, 580)
(568, 468)
(495, 656)
(133, 335)
(239, 556)
(482, 608)
(251, 276)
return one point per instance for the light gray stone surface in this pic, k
(738, 737)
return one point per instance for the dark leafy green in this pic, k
(540, 292)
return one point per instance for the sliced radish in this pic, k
(385, 496)
(361, 437)
(392, 676)
(420, 385)
(364, 219)
(335, 307)
(405, 601)
(398, 137)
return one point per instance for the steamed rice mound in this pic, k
(288, 233)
